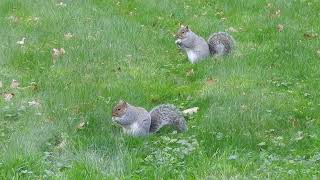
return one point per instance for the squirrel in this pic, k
(137, 121)
(220, 43)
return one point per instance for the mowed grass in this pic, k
(259, 109)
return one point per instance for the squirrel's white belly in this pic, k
(192, 56)
(131, 129)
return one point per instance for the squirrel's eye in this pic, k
(119, 109)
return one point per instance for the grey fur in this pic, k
(220, 43)
(167, 114)
(136, 121)
(197, 48)
(139, 122)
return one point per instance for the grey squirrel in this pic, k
(139, 122)
(197, 48)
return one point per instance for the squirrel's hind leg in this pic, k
(220, 50)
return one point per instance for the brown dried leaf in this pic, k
(211, 81)
(310, 35)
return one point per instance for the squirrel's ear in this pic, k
(122, 102)
(187, 27)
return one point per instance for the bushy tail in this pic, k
(167, 114)
(221, 43)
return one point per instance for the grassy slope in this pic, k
(266, 93)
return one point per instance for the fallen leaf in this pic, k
(243, 108)
(261, 144)
(232, 29)
(68, 36)
(310, 35)
(280, 27)
(8, 96)
(62, 144)
(33, 19)
(190, 72)
(211, 81)
(233, 157)
(219, 13)
(307, 94)
(34, 86)
(81, 125)
(22, 41)
(13, 18)
(61, 4)
(34, 103)
(278, 13)
(56, 54)
(62, 51)
(14, 84)
(299, 136)
(191, 111)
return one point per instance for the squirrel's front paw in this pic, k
(178, 41)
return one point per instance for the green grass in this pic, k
(260, 119)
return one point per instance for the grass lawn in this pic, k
(259, 109)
